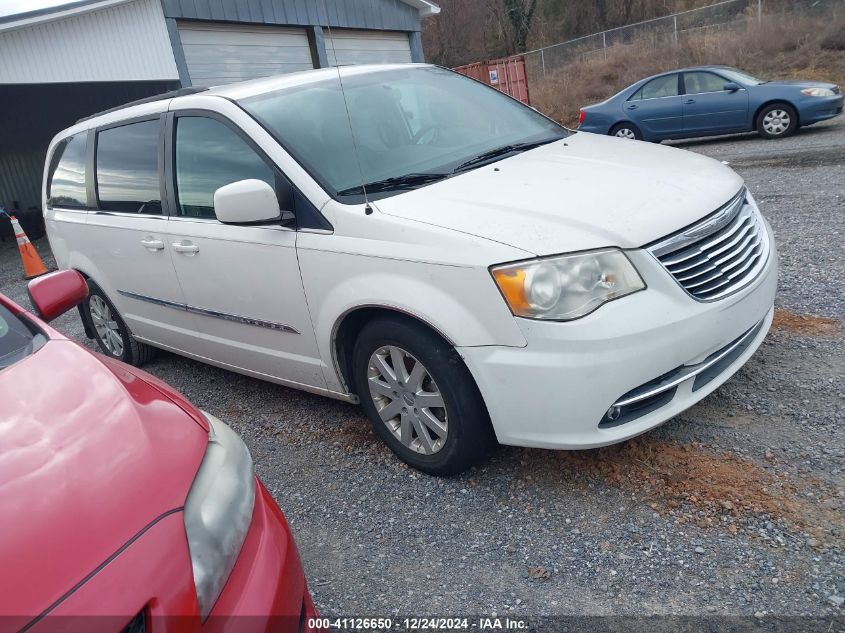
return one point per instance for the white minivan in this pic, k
(413, 240)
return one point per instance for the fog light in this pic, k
(613, 413)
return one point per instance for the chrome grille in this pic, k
(721, 254)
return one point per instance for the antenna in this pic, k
(368, 210)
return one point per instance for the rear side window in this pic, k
(660, 87)
(209, 155)
(127, 168)
(66, 181)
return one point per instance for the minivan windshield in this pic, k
(410, 127)
(17, 339)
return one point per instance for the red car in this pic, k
(122, 500)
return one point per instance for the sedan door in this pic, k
(125, 237)
(241, 283)
(657, 108)
(709, 108)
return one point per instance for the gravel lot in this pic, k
(733, 508)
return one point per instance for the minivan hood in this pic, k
(584, 191)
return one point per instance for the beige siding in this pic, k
(127, 42)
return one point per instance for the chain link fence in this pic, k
(734, 15)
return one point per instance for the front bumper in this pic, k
(815, 109)
(266, 590)
(556, 391)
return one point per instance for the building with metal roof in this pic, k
(66, 62)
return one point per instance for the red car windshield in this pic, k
(18, 338)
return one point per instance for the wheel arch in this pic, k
(349, 324)
(773, 102)
(629, 122)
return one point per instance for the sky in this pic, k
(8, 7)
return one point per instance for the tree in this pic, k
(519, 13)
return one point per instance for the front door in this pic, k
(125, 238)
(709, 108)
(241, 283)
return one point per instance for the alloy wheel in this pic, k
(106, 325)
(776, 122)
(407, 399)
(626, 132)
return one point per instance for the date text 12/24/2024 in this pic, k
(419, 624)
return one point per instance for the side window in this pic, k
(661, 87)
(210, 155)
(127, 168)
(698, 82)
(66, 181)
(636, 96)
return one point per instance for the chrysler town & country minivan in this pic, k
(405, 237)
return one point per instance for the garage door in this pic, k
(221, 54)
(345, 47)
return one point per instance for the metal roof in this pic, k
(18, 20)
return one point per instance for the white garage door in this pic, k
(221, 54)
(345, 47)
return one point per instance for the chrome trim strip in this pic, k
(721, 218)
(226, 316)
(160, 302)
(689, 371)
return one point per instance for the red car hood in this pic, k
(91, 453)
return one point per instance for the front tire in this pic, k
(626, 130)
(777, 120)
(110, 331)
(420, 397)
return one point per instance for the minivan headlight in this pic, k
(566, 287)
(218, 511)
(818, 92)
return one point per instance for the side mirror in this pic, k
(732, 87)
(246, 202)
(54, 294)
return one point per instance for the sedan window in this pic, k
(661, 87)
(17, 339)
(699, 82)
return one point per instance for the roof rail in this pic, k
(181, 92)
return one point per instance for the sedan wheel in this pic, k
(407, 399)
(626, 132)
(108, 330)
(776, 122)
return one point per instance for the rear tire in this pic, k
(777, 120)
(113, 336)
(626, 130)
(429, 412)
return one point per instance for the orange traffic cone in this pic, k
(32, 264)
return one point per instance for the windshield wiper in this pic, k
(501, 151)
(397, 183)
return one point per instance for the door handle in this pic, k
(689, 101)
(152, 244)
(632, 107)
(186, 248)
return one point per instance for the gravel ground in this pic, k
(733, 508)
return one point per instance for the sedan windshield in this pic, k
(397, 129)
(742, 77)
(17, 339)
